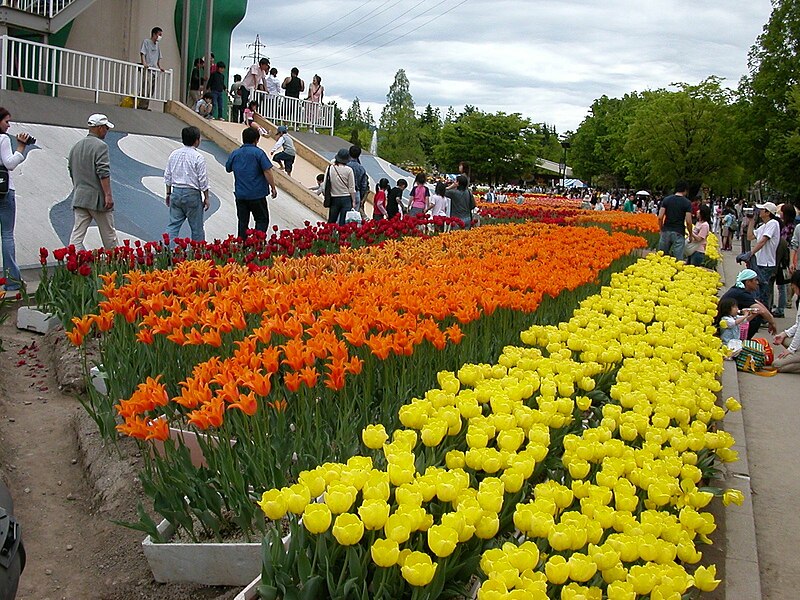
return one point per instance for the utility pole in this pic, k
(257, 46)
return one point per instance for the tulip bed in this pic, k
(286, 364)
(71, 289)
(573, 467)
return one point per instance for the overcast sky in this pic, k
(546, 59)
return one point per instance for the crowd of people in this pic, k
(770, 238)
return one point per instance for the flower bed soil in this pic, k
(67, 488)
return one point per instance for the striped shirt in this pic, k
(186, 168)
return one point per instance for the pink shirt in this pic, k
(701, 231)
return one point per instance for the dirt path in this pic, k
(74, 551)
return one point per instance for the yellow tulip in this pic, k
(704, 578)
(348, 529)
(418, 569)
(385, 553)
(273, 503)
(397, 528)
(581, 567)
(297, 498)
(340, 497)
(620, 590)
(732, 404)
(374, 436)
(374, 513)
(488, 526)
(732, 496)
(442, 540)
(317, 518)
(557, 569)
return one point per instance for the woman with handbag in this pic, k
(10, 160)
(783, 261)
(340, 188)
(696, 246)
(788, 361)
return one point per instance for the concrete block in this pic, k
(31, 318)
(230, 564)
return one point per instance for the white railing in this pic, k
(42, 8)
(56, 67)
(294, 112)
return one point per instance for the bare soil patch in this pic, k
(67, 486)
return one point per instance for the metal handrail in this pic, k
(294, 112)
(57, 67)
(42, 8)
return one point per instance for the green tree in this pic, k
(598, 146)
(398, 137)
(680, 135)
(430, 126)
(769, 115)
(499, 147)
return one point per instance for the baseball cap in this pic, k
(770, 206)
(97, 119)
(282, 129)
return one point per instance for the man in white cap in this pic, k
(766, 238)
(90, 170)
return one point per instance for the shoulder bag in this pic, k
(326, 194)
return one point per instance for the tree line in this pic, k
(728, 140)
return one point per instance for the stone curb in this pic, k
(742, 571)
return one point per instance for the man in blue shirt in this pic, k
(253, 176)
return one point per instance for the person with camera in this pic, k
(10, 160)
(766, 238)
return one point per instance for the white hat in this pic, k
(97, 119)
(770, 206)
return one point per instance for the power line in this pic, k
(400, 37)
(354, 24)
(377, 34)
(344, 16)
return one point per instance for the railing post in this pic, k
(97, 82)
(4, 64)
(52, 57)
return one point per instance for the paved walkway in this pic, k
(772, 430)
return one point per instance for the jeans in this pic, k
(258, 208)
(766, 284)
(672, 243)
(339, 207)
(186, 204)
(8, 215)
(217, 96)
(782, 289)
(286, 160)
(237, 113)
(697, 259)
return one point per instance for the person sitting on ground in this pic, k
(379, 201)
(745, 292)
(728, 321)
(788, 361)
(283, 152)
(205, 106)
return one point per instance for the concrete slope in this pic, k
(44, 214)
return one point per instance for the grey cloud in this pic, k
(546, 59)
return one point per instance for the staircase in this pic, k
(43, 16)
